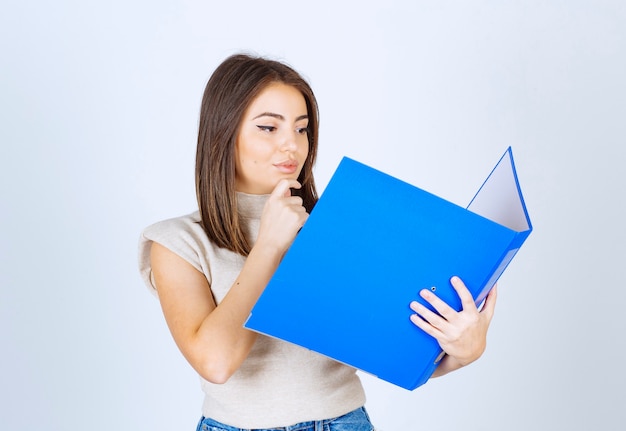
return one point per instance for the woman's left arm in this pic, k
(463, 334)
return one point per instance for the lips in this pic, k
(287, 167)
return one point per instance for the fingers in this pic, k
(283, 216)
(442, 307)
(438, 304)
(490, 303)
(445, 312)
(467, 300)
(461, 334)
(283, 191)
(430, 322)
(284, 186)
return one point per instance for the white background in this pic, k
(99, 106)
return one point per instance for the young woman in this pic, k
(257, 145)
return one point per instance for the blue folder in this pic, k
(369, 246)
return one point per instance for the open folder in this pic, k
(370, 245)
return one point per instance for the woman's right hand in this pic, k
(283, 216)
(212, 337)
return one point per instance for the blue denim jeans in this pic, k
(356, 420)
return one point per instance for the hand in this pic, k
(283, 216)
(462, 335)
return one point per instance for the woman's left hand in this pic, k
(463, 334)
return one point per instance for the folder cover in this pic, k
(369, 246)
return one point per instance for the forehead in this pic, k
(278, 98)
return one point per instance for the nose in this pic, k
(289, 141)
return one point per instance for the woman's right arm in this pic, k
(212, 337)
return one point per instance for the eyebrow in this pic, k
(279, 116)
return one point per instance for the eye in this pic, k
(267, 128)
(302, 130)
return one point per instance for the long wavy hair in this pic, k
(233, 86)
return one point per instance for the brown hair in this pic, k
(231, 89)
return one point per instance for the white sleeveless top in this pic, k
(279, 384)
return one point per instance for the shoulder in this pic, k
(189, 223)
(182, 235)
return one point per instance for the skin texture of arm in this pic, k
(462, 335)
(212, 337)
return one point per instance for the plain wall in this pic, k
(99, 106)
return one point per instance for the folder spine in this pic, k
(500, 266)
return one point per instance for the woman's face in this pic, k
(272, 142)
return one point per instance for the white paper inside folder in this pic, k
(499, 198)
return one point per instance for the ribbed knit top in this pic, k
(279, 384)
